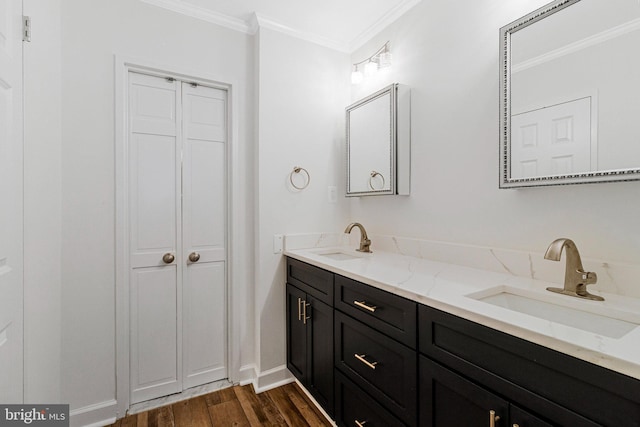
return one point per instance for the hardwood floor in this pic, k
(285, 406)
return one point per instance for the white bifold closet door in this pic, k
(177, 209)
(11, 202)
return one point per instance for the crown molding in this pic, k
(263, 22)
(387, 19)
(257, 21)
(601, 37)
(202, 14)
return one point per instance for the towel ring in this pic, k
(373, 175)
(298, 169)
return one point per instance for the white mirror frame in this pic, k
(505, 115)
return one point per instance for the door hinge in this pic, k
(26, 28)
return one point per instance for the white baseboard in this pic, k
(98, 415)
(105, 413)
(247, 374)
(272, 378)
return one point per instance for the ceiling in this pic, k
(344, 25)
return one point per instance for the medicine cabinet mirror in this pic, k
(378, 143)
(570, 94)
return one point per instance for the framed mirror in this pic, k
(378, 138)
(570, 94)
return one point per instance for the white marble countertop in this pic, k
(457, 290)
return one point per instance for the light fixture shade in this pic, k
(370, 68)
(356, 77)
(384, 59)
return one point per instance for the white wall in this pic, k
(42, 204)
(302, 91)
(92, 32)
(448, 55)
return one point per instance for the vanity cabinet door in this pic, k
(296, 334)
(310, 344)
(447, 399)
(320, 353)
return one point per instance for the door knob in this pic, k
(194, 256)
(168, 258)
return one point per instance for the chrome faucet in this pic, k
(575, 278)
(365, 243)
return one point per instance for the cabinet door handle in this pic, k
(361, 357)
(493, 418)
(362, 304)
(299, 311)
(360, 423)
(304, 312)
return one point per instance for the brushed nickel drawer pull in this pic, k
(299, 311)
(361, 357)
(493, 418)
(360, 423)
(304, 312)
(363, 304)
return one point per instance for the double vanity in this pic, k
(384, 339)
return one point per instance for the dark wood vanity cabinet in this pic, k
(310, 330)
(372, 358)
(541, 386)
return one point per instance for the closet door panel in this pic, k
(204, 173)
(154, 159)
(204, 324)
(204, 193)
(154, 344)
(204, 233)
(11, 204)
(154, 242)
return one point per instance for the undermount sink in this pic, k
(338, 255)
(612, 324)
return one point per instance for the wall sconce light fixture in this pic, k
(380, 59)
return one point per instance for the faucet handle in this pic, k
(365, 245)
(589, 277)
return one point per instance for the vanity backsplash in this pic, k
(613, 277)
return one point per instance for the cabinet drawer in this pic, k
(384, 368)
(388, 313)
(313, 280)
(520, 369)
(354, 406)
